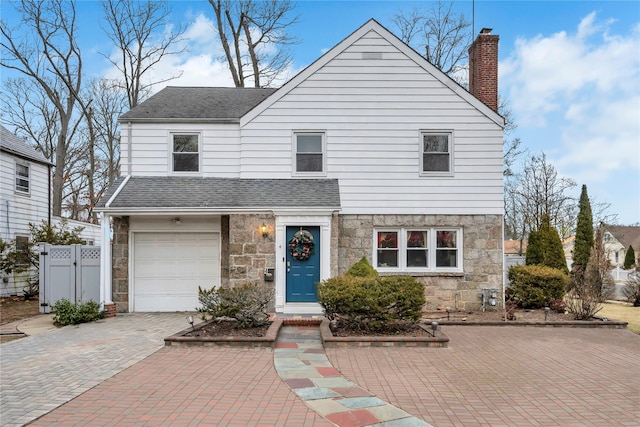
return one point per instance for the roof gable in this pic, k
(625, 234)
(372, 25)
(16, 146)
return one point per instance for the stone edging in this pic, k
(610, 324)
(268, 340)
(329, 341)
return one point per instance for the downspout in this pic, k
(49, 210)
(129, 148)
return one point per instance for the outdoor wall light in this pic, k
(190, 321)
(263, 229)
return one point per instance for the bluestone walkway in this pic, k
(301, 362)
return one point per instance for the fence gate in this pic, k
(71, 272)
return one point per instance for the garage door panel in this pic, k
(169, 267)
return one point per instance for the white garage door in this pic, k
(169, 267)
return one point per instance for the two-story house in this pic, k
(24, 198)
(617, 239)
(369, 151)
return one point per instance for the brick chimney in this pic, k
(483, 68)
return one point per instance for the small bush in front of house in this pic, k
(247, 303)
(362, 268)
(372, 304)
(68, 313)
(537, 286)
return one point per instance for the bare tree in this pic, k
(254, 36)
(140, 30)
(48, 55)
(536, 192)
(441, 34)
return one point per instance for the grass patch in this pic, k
(623, 312)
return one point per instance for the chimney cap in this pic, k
(486, 31)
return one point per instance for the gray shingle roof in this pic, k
(198, 104)
(12, 144)
(223, 193)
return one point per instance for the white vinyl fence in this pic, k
(71, 272)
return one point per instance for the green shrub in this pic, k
(537, 286)
(247, 303)
(362, 268)
(67, 313)
(372, 303)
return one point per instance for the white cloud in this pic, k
(576, 96)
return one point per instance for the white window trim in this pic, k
(170, 149)
(448, 132)
(431, 250)
(294, 152)
(28, 178)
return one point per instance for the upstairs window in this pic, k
(23, 178)
(436, 153)
(309, 152)
(185, 152)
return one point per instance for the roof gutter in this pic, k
(115, 193)
(154, 211)
(177, 120)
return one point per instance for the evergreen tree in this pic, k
(584, 232)
(534, 251)
(545, 247)
(629, 258)
(552, 252)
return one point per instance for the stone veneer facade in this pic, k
(245, 253)
(120, 264)
(482, 254)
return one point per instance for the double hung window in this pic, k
(436, 150)
(23, 178)
(185, 152)
(309, 157)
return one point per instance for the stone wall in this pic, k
(249, 253)
(120, 264)
(482, 254)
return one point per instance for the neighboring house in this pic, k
(25, 197)
(369, 151)
(617, 239)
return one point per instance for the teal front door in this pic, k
(303, 263)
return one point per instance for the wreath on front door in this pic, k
(301, 245)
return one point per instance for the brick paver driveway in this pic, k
(494, 376)
(508, 376)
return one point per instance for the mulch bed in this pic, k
(227, 328)
(343, 330)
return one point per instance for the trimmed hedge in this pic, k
(362, 268)
(537, 286)
(372, 303)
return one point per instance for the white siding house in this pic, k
(24, 197)
(370, 151)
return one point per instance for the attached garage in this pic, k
(168, 268)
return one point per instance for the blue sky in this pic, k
(570, 71)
